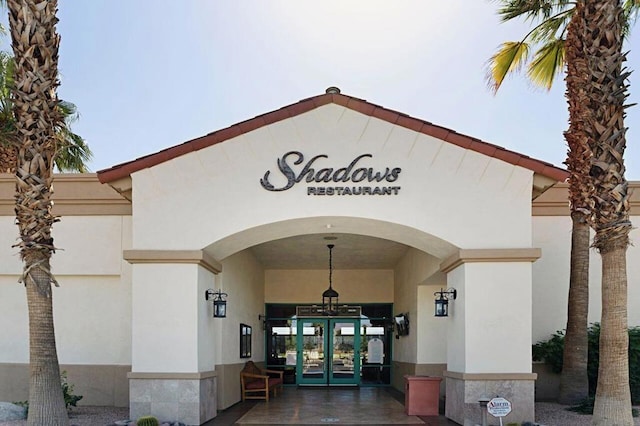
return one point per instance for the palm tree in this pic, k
(549, 60)
(37, 117)
(606, 93)
(558, 36)
(73, 153)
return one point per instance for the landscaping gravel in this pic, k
(88, 416)
(547, 413)
(553, 414)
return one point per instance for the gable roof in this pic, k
(545, 169)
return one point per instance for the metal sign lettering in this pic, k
(294, 169)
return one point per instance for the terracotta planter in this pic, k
(421, 395)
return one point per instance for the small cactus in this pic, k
(147, 421)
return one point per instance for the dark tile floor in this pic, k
(343, 406)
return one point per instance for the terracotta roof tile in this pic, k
(355, 104)
(460, 140)
(531, 164)
(340, 100)
(251, 125)
(229, 133)
(436, 131)
(361, 106)
(508, 156)
(275, 116)
(205, 141)
(301, 107)
(483, 148)
(386, 115)
(321, 100)
(410, 123)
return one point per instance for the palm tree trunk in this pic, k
(46, 405)
(607, 92)
(613, 397)
(35, 46)
(574, 380)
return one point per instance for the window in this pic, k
(245, 341)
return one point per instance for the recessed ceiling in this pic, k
(310, 252)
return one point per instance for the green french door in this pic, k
(328, 351)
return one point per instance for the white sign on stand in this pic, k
(499, 407)
(375, 351)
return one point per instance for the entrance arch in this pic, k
(396, 232)
(462, 206)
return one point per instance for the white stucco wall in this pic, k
(213, 194)
(92, 306)
(551, 276)
(490, 321)
(242, 278)
(432, 331)
(421, 345)
(306, 286)
(168, 300)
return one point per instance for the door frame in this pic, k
(327, 378)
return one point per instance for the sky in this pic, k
(150, 74)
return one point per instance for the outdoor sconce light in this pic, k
(330, 296)
(442, 301)
(219, 302)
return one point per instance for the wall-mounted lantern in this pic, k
(442, 301)
(219, 302)
(263, 320)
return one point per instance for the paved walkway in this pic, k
(342, 406)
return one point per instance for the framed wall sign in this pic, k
(245, 341)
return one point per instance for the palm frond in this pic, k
(551, 28)
(69, 112)
(510, 57)
(547, 62)
(631, 9)
(8, 132)
(531, 10)
(73, 153)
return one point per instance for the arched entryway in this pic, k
(331, 165)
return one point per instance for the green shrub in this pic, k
(147, 421)
(550, 351)
(24, 404)
(70, 400)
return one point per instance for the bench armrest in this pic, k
(278, 372)
(254, 376)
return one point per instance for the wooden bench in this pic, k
(256, 383)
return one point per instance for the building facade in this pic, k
(411, 208)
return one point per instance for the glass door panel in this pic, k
(282, 348)
(345, 352)
(374, 353)
(312, 348)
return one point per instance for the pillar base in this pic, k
(189, 398)
(463, 390)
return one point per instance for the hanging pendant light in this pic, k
(330, 296)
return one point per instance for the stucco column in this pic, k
(489, 332)
(173, 358)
